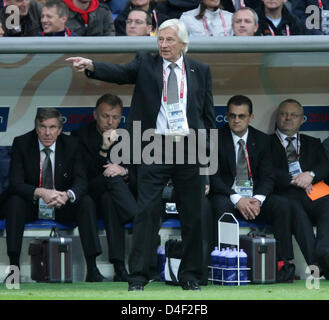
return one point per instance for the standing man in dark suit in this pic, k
(47, 181)
(108, 181)
(164, 82)
(299, 161)
(243, 183)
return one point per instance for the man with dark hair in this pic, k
(53, 19)
(89, 18)
(108, 181)
(243, 182)
(47, 181)
(299, 162)
(276, 20)
(28, 23)
(138, 23)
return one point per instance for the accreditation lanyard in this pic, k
(242, 4)
(287, 31)
(156, 22)
(40, 173)
(248, 162)
(298, 143)
(182, 85)
(205, 25)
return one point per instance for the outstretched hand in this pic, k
(81, 64)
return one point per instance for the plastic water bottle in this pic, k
(243, 264)
(215, 264)
(222, 255)
(231, 263)
(161, 261)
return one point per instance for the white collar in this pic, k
(284, 136)
(179, 62)
(236, 138)
(52, 147)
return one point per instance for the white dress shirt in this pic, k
(236, 197)
(162, 120)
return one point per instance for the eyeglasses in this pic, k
(137, 21)
(292, 115)
(233, 116)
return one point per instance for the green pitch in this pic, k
(160, 291)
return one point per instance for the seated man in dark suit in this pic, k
(47, 181)
(299, 162)
(108, 181)
(243, 182)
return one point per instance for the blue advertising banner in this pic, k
(316, 119)
(4, 112)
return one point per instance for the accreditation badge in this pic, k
(294, 168)
(177, 121)
(45, 212)
(244, 188)
(325, 21)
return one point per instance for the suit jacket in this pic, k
(258, 146)
(312, 158)
(146, 72)
(90, 142)
(24, 172)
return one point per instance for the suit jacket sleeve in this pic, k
(115, 73)
(18, 176)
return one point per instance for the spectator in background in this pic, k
(234, 5)
(276, 20)
(29, 19)
(116, 6)
(89, 18)
(208, 20)
(53, 19)
(244, 22)
(139, 23)
(174, 8)
(148, 5)
(319, 15)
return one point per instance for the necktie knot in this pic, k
(47, 151)
(172, 66)
(241, 143)
(290, 139)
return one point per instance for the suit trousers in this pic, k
(275, 211)
(307, 214)
(20, 211)
(116, 206)
(189, 189)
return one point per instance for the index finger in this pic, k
(72, 59)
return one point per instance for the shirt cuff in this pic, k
(235, 198)
(260, 197)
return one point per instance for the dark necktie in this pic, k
(290, 150)
(47, 172)
(172, 88)
(241, 166)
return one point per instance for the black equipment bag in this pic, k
(173, 253)
(51, 259)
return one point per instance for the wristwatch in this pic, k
(312, 174)
(70, 195)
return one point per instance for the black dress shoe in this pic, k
(95, 276)
(190, 285)
(135, 287)
(121, 276)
